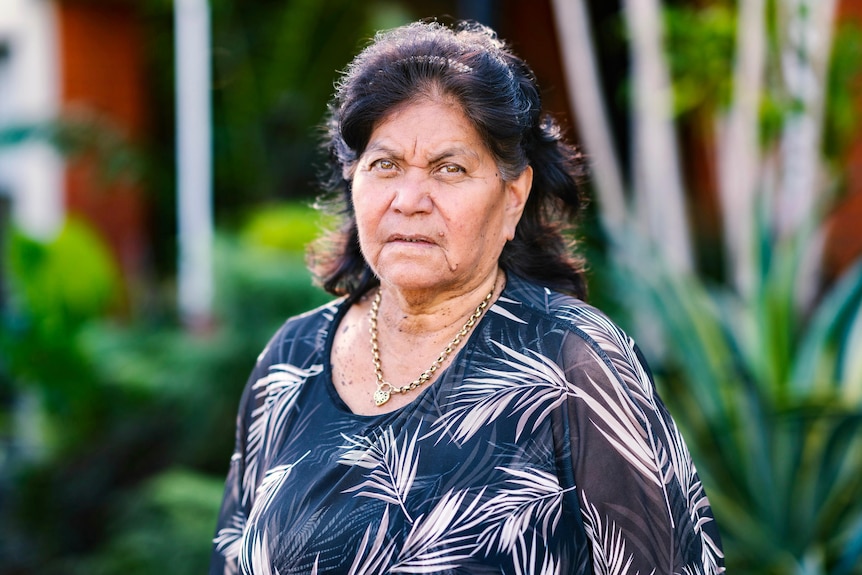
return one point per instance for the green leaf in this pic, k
(815, 367)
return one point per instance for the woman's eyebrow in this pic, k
(377, 147)
(438, 156)
(453, 152)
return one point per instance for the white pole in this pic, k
(659, 192)
(194, 161)
(582, 79)
(739, 157)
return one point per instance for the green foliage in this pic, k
(274, 70)
(62, 282)
(700, 47)
(84, 134)
(159, 528)
(274, 66)
(129, 401)
(56, 287)
(845, 80)
(285, 227)
(201, 376)
(766, 385)
(769, 396)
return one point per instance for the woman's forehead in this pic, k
(434, 127)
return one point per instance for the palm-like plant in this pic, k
(769, 395)
(763, 373)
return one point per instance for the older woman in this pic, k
(458, 409)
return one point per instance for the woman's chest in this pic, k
(405, 484)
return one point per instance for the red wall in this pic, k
(844, 240)
(103, 81)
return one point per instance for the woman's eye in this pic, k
(383, 164)
(452, 169)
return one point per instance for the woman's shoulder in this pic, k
(584, 325)
(324, 313)
(307, 330)
(526, 298)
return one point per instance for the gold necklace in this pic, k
(386, 389)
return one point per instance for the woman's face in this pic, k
(432, 211)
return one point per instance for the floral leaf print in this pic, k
(501, 310)
(620, 352)
(697, 503)
(673, 457)
(525, 562)
(529, 385)
(536, 500)
(278, 390)
(618, 424)
(559, 420)
(439, 541)
(607, 542)
(254, 553)
(538, 385)
(370, 561)
(628, 369)
(270, 485)
(256, 559)
(393, 468)
(711, 552)
(698, 509)
(228, 540)
(615, 343)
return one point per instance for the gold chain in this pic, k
(386, 389)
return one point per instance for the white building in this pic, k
(31, 172)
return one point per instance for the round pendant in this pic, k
(381, 396)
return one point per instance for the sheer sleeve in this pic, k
(239, 485)
(641, 501)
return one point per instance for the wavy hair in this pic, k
(499, 94)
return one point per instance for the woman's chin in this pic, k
(416, 276)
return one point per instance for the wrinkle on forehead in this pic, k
(462, 142)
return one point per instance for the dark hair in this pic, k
(499, 94)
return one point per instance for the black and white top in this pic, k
(542, 448)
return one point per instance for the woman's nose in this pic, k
(412, 193)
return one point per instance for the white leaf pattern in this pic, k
(529, 386)
(256, 560)
(443, 538)
(228, 541)
(609, 545)
(371, 561)
(535, 502)
(492, 494)
(393, 468)
(620, 350)
(525, 560)
(539, 385)
(254, 553)
(278, 389)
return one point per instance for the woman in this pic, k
(459, 409)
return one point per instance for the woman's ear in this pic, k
(517, 192)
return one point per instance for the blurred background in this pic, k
(157, 166)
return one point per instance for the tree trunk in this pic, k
(588, 103)
(659, 196)
(739, 149)
(806, 49)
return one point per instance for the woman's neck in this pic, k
(422, 312)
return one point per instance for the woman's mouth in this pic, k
(411, 239)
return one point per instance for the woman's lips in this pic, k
(410, 239)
